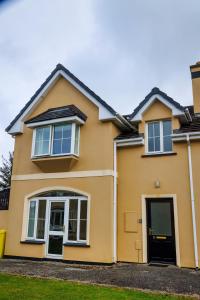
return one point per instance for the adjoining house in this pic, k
(91, 185)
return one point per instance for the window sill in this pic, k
(68, 244)
(159, 154)
(55, 163)
(32, 242)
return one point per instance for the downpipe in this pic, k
(192, 202)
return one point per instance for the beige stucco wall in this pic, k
(96, 137)
(196, 89)
(137, 175)
(3, 219)
(96, 153)
(100, 190)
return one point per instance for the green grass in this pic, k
(16, 287)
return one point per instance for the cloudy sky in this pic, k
(120, 48)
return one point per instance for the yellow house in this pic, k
(91, 185)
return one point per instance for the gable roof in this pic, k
(57, 113)
(106, 112)
(155, 94)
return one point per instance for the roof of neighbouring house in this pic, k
(58, 112)
(192, 126)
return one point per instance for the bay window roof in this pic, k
(58, 114)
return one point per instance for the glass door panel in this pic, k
(56, 228)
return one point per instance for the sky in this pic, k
(120, 49)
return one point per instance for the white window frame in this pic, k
(66, 200)
(50, 153)
(78, 240)
(161, 137)
(35, 220)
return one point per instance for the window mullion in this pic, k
(72, 138)
(66, 221)
(78, 220)
(161, 136)
(36, 219)
(51, 139)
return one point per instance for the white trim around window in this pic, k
(75, 127)
(66, 200)
(159, 137)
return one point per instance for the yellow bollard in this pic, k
(2, 242)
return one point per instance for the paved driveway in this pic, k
(169, 279)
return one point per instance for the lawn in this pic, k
(16, 287)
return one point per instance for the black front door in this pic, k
(160, 231)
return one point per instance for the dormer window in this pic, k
(56, 140)
(56, 132)
(159, 136)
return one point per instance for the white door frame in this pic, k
(144, 224)
(49, 232)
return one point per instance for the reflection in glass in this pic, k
(57, 216)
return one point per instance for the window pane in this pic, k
(83, 226)
(167, 130)
(156, 129)
(83, 209)
(66, 145)
(58, 131)
(39, 134)
(57, 216)
(67, 131)
(37, 147)
(45, 148)
(167, 143)
(62, 139)
(42, 140)
(76, 150)
(72, 230)
(46, 133)
(31, 222)
(41, 219)
(157, 144)
(57, 146)
(150, 130)
(151, 145)
(73, 209)
(161, 218)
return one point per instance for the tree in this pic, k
(6, 171)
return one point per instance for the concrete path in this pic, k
(167, 279)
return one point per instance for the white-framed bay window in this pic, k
(158, 136)
(56, 139)
(43, 216)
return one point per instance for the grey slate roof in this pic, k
(192, 126)
(154, 91)
(67, 72)
(58, 112)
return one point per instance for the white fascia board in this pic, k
(183, 136)
(104, 113)
(175, 111)
(74, 119)
(130, 142)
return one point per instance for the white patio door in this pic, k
(56, 228)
